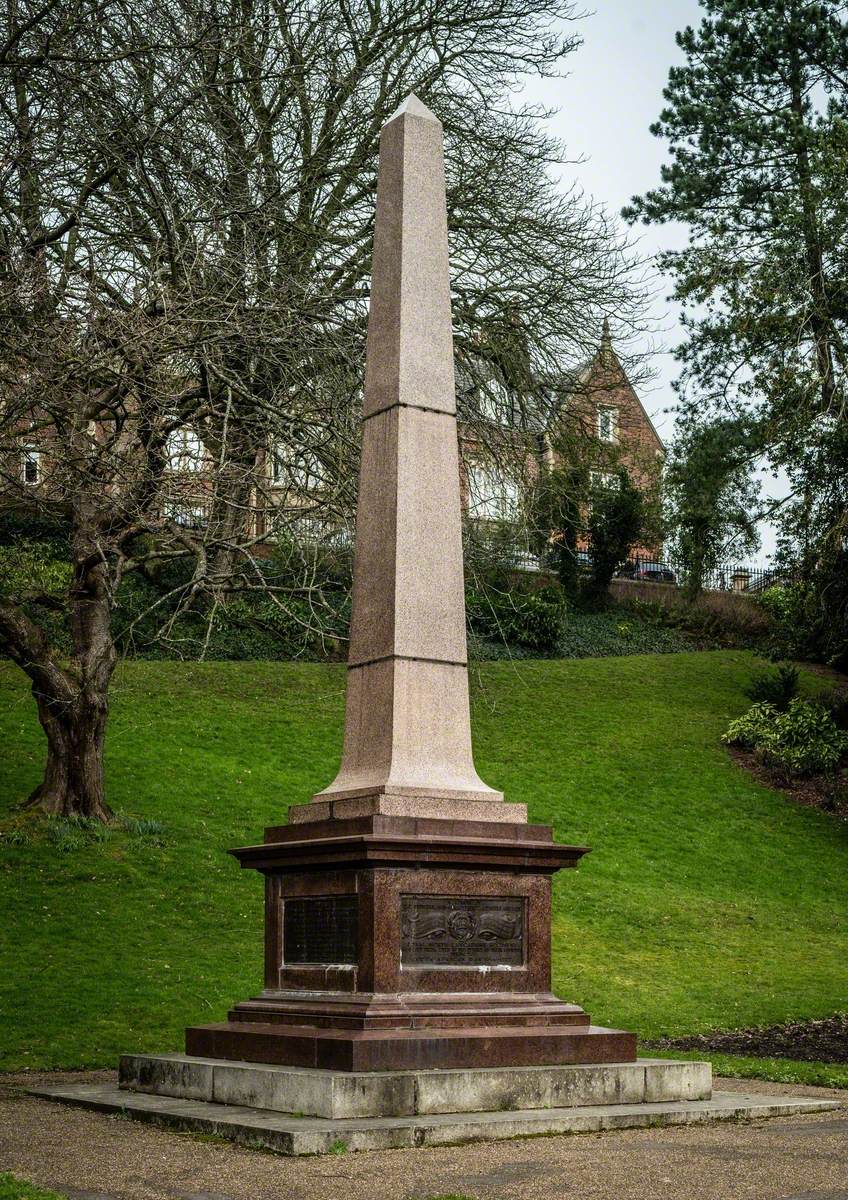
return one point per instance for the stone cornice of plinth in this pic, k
(366, 843)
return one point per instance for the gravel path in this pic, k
(89, 1156)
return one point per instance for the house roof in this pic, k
(572, 381)
(578, 375)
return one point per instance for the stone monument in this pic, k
(408, 905)
(407, 990)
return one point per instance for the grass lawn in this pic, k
(708, 901)
(13, 1188)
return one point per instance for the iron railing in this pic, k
(510, 546)
(725, 577)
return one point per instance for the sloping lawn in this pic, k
(708, 901)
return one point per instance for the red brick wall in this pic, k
(637, 446)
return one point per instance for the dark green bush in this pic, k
(531, 619)
(16, 528)
(835, 700)
(777, 688)
(716, 621)
(590, 635)
(485, 650)
(248, 627)
(810, 619)
(601, 634)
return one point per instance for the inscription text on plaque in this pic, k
(320, 929)
(459, 931)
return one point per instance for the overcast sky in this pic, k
(612, 94)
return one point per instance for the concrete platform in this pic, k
(341, 1094)
(293, 1135)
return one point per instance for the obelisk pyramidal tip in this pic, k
(415, 108)
(407, 742)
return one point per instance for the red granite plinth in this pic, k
(442, 929)
(411, 1050)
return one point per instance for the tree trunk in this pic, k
(230, 519)
(695, 566)
(73, 782)
(72, 699)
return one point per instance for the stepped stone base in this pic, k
(265, 1129)
(344, 1094)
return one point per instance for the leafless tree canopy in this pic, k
(186, 207)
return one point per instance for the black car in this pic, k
(647, 572)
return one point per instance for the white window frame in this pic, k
(298, 471)
(607, 423)
(184, 450)
(496, 403)
(30, 456)
(491, 495)
(605, 479)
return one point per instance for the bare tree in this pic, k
(186, 205)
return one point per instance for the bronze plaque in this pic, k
(320, 929)
(460, 931)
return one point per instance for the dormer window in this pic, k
(607, 424)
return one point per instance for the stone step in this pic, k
(293, 1135)
(339, 1094)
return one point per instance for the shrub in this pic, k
(804, 740)
(248, 627)
(600, 635)
(778, 688)
(617, 522)
(716, 620)
(530, 619)
(808, 622)
(835, 700)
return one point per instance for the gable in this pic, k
(603, 384)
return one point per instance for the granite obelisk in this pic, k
(408, 906)
(407, 744)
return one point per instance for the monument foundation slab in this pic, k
(290, 1134)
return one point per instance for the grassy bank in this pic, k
(708, 901)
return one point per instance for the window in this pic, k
(605, 479)
(496, 403)
(299, 468)
(186, 513)
(184, 450)
(317, 531)
(30, 466)
(607, 424)
(491, 496)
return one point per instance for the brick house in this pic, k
(611, 411)
(597, 397)
(598, 401)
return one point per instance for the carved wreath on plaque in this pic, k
(462, 931)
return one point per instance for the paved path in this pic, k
(93, 1157)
